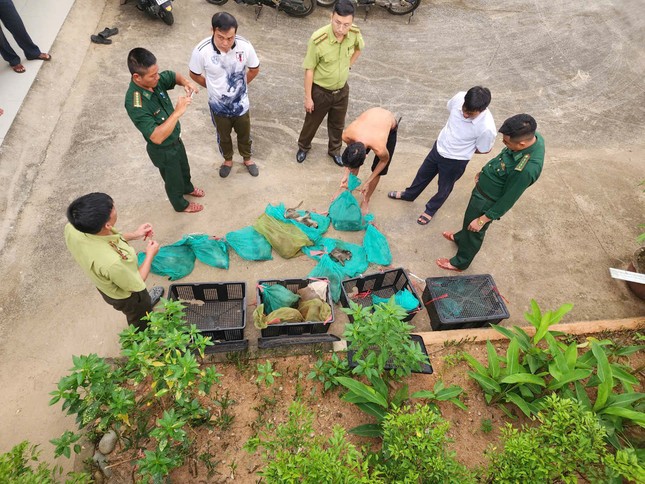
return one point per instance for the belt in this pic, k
(329, 90)
(162, 146)
(481, 192)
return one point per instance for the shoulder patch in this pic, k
(354, 28)
(136, 100)
(320, 38)
(525, 159)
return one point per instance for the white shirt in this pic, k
(225, 74)
(460, 137)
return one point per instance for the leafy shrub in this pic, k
(326, 371)
(414, 449)
(152, 393)
(16, 468)
(293, 454)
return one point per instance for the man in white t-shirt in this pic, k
(470, 129)
(225, 64)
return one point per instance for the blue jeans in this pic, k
(13, 23)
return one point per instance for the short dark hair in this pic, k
(90, 213)
(354, 155)
(140, 60)
(224, 22)
(477, 99)
(519, 127)
(344, 8)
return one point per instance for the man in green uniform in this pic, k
(107, 258)
(331, 52)
(150, 109)
(498, 186)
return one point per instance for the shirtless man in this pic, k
(375, 130)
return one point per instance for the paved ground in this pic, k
(576, 66)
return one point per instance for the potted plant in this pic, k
(637, 264)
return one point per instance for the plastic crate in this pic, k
(306, 327)
(383, 284)
(425, 367)
(460, 302)
(218, 309)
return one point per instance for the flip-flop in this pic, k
(424, 219)
(397, 196)
(97, 39)
(108, 32)
(445, 264)
(253, 169)
(193, 208)
(449, 236)
(43, 56)
(197, 192)
(224, 170)
(19, 68)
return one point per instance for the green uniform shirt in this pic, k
(109, 261)
(505, 177)
(329, 59)
(147, 110)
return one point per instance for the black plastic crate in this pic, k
(218, 309)
(460, 302)
(383, 284)
(306, 327)
(425, 367)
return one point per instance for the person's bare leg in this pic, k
(367, 195)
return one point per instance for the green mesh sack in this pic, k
(328, 269)
(286, 239)
(249, 244)
(350, 268)
(403, 298)
(173, 261)
(376, 247)
(276, 296)
(208, 250)
(315, 310)
(282, 315)
(314, 233)
(345, 211)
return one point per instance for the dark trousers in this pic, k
(134, 307)
(449, 172)
(332, 104)
(172, 163)
(469, 243)
(13, 23)
(242, 127)
(389, 145)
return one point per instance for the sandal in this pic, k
(445, 264)
(19, 68)
(449, 236)
(397, 196)
(253, 169)
(193, 208)
(97, 39)
(197, 192)
(224, 170)
(108, 32)
(424, 219)
(43, 56)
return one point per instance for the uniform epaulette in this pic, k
(354, 28)
(136, 99)
(525, 159)
(320, 38)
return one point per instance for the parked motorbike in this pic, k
(156, 8)
(395, 7)
(295, 8)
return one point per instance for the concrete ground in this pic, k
(576, 66)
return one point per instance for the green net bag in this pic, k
(276, 296)
(328, 269)
(249, 244)
(286, 239)
(312, 224)
(352, 267)
(209, 250)
(282, 315)
(376, 247)
(345, 211)
(315, 310)
(403, 298)
(174, 261)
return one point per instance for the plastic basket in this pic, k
(306, 327)
(425, 367)
(218, 309)
(383, 284)
(460, 302)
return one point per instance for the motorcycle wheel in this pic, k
(300, 10)
(402, 7)
(217, 2)
(325, 3)
(167, 17)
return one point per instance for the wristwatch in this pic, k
(480, 222)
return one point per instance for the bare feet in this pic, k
(197, 192)
(193, 208)
(19, 68)
(449, 236)
(445, 264)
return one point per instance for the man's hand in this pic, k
(477, 177)
(143, 232)
(182, 103)
(152, 248)
(309, 105)
(190, 88)
(477, 224)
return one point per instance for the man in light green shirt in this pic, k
(331, 51)
(107, 258)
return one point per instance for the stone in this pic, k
(108, 442)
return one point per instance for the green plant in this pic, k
(151, 393)
(266, 374)
(65, 442)
(16, 467)
(567, 444)
(486, 426)
(210, 462)
(453, 359)
(293, 454)
(326, 371)
(415, 449)
(624, 464)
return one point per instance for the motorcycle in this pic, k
(156, 8)
(395, 7)
(295, 8)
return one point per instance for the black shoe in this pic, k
(97, 39)
(108, 32)
(337, 159)
(301, 155)
(155, 294)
